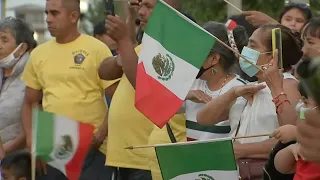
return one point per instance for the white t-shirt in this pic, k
(223, 129)
(260, 119)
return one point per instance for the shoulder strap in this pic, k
(238, 127)
(170, 133)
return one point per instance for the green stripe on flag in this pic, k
(179, 36)
(45, 134)
(210, 129)
(184, 158)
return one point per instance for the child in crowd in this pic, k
(16, 166)
(289, 160)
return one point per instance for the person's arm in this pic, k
(129, 60)
(218, 109)
(257, 18)
(211, 113)
(131, 20)
(287, 113)
(31, 98)
(17, 143)
(284, 161)
(112, 88)
(33, 93)
(118, 30)
(254, 150)
(110, 69)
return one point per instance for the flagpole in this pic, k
(233, 5)
(33, 166)
(240, 137)
(3, 153)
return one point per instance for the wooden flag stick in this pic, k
(3, 153)
(233, 5)
(240, 137)
(33, 165)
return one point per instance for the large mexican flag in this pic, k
(62, 142)
(198, 160)
(173, 50)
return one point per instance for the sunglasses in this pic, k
(297, 4)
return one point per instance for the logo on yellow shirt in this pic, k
(78, 58)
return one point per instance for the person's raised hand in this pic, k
(133, 7)
(247, 91)
(273, 75)
(286, 133)
(116, 28)
(257, 18)
(198, 96)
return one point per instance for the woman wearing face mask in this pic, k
(283, 92)
(214, 79)
(15, 43)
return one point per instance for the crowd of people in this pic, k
(92, 79)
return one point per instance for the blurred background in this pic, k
(93, 11)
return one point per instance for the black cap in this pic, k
(99, 28)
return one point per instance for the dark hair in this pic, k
(291, 48)
(19, 162)
(20, 30)
(312, 28)
(228, 58)
(72, 5)
(241, 20)
(304, 8)
(99, 28)
(302, 90)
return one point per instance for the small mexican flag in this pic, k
(62, 142)
(173, 50)
(198, 160)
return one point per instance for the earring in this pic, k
(214, 71)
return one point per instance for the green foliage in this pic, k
(96, 14)
(206, 10)
(216, 10)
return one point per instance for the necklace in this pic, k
(208, 91)
(223, 84)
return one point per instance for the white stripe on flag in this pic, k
(214, 174)
(63, 125)
(183, 75)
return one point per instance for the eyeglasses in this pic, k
(297, 4)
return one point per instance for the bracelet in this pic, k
(278, 106)
(276, 99)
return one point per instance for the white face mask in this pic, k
(10, 60)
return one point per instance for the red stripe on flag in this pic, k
(154, 100)
(231, 24)
(74, 167)
(190, 139)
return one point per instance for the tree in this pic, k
(216, 10)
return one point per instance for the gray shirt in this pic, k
(11, 100)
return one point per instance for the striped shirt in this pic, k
(223, 129)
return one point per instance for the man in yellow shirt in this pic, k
(64, 70)
(127, 126)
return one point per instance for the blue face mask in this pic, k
(251, 55)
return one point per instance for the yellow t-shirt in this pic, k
(161, 136)
(68, 76)
(127, 127)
